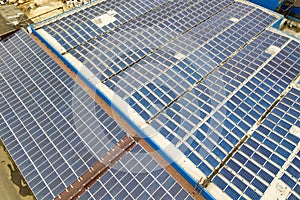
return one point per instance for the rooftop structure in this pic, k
(61, 140)
(212, 86)
(11, 19)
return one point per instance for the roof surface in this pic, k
(11, 19)
(209, 84)
(60, 138)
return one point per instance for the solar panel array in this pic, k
(155, 82)
(260, 159)
(120, 48)
(206, 75)
(80, 26)
(291, 177)
(136, 176)
(201, 73)
(207, 122)
(54, 131)
(49, 124)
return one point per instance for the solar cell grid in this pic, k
(175, 66)
(55, 132)
(179, 75)
(232, 120)
(292, 197)
(136, 176)
(223, 130)
(124, 46)
(232, 21)
(78, 27)
(181, 118)
(49, 124)
(259, 160)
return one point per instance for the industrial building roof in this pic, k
(210, 85)
(60, 138)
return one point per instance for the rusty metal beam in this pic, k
(97, 170)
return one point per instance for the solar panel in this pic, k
(115, 51)
(291, 177)
(206, 75)
(207, 122)
(56, 133)
(52, 129)
(81, 26)
(268, 155)
(159, 81)
(152, 84)
(136, 176)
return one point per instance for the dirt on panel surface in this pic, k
(12, 185)
(34, 8)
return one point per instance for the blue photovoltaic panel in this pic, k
(115, 51)
(157, 82)
(204, 124)
(201, 73)
(136, 176)
(153, 83)
(52, 129)
(235, 118)
(216, 39)
(79, 27)
(254, 166)
(291, 176)
(214, 27)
